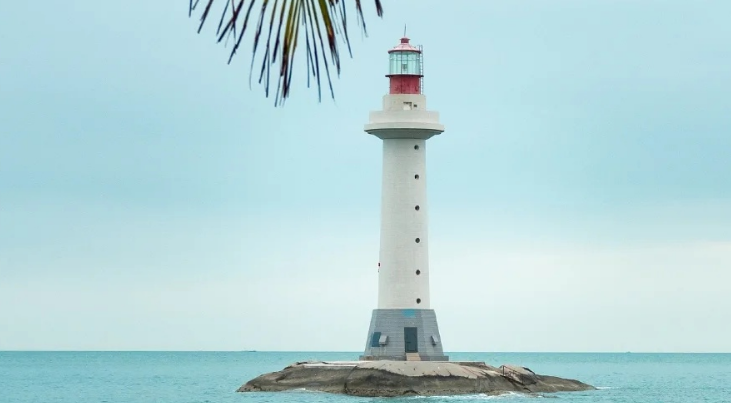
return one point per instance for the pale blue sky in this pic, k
(580, 199)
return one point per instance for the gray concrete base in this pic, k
(386, 338)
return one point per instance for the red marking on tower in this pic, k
(405, 68)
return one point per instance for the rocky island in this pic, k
(385, 378)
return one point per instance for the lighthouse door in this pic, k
(411, 340)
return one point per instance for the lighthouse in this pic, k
(404, 326)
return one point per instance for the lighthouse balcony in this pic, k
(396, 124)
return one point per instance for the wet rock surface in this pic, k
(398, 378)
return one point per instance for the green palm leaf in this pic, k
(322, 21)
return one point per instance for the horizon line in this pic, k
(350, 352)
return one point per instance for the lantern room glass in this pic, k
(402, 62)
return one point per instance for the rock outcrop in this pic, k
(398, 378)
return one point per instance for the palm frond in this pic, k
(323, 21)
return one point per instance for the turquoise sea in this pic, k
(213, 377)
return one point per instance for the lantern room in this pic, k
(405, 68)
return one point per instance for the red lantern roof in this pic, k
(404, 46)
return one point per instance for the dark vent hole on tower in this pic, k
(418, 240)
(416, 147)
(418, 272)
(416, 208)
(416, 176)
(418, 300)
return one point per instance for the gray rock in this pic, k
(397, 378)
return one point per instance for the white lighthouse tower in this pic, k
(404, 327)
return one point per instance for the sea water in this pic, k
(213, 377)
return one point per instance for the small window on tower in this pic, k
(407, 106)
(375, 339)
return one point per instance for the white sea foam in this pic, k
(480, 396)
(305, 390)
